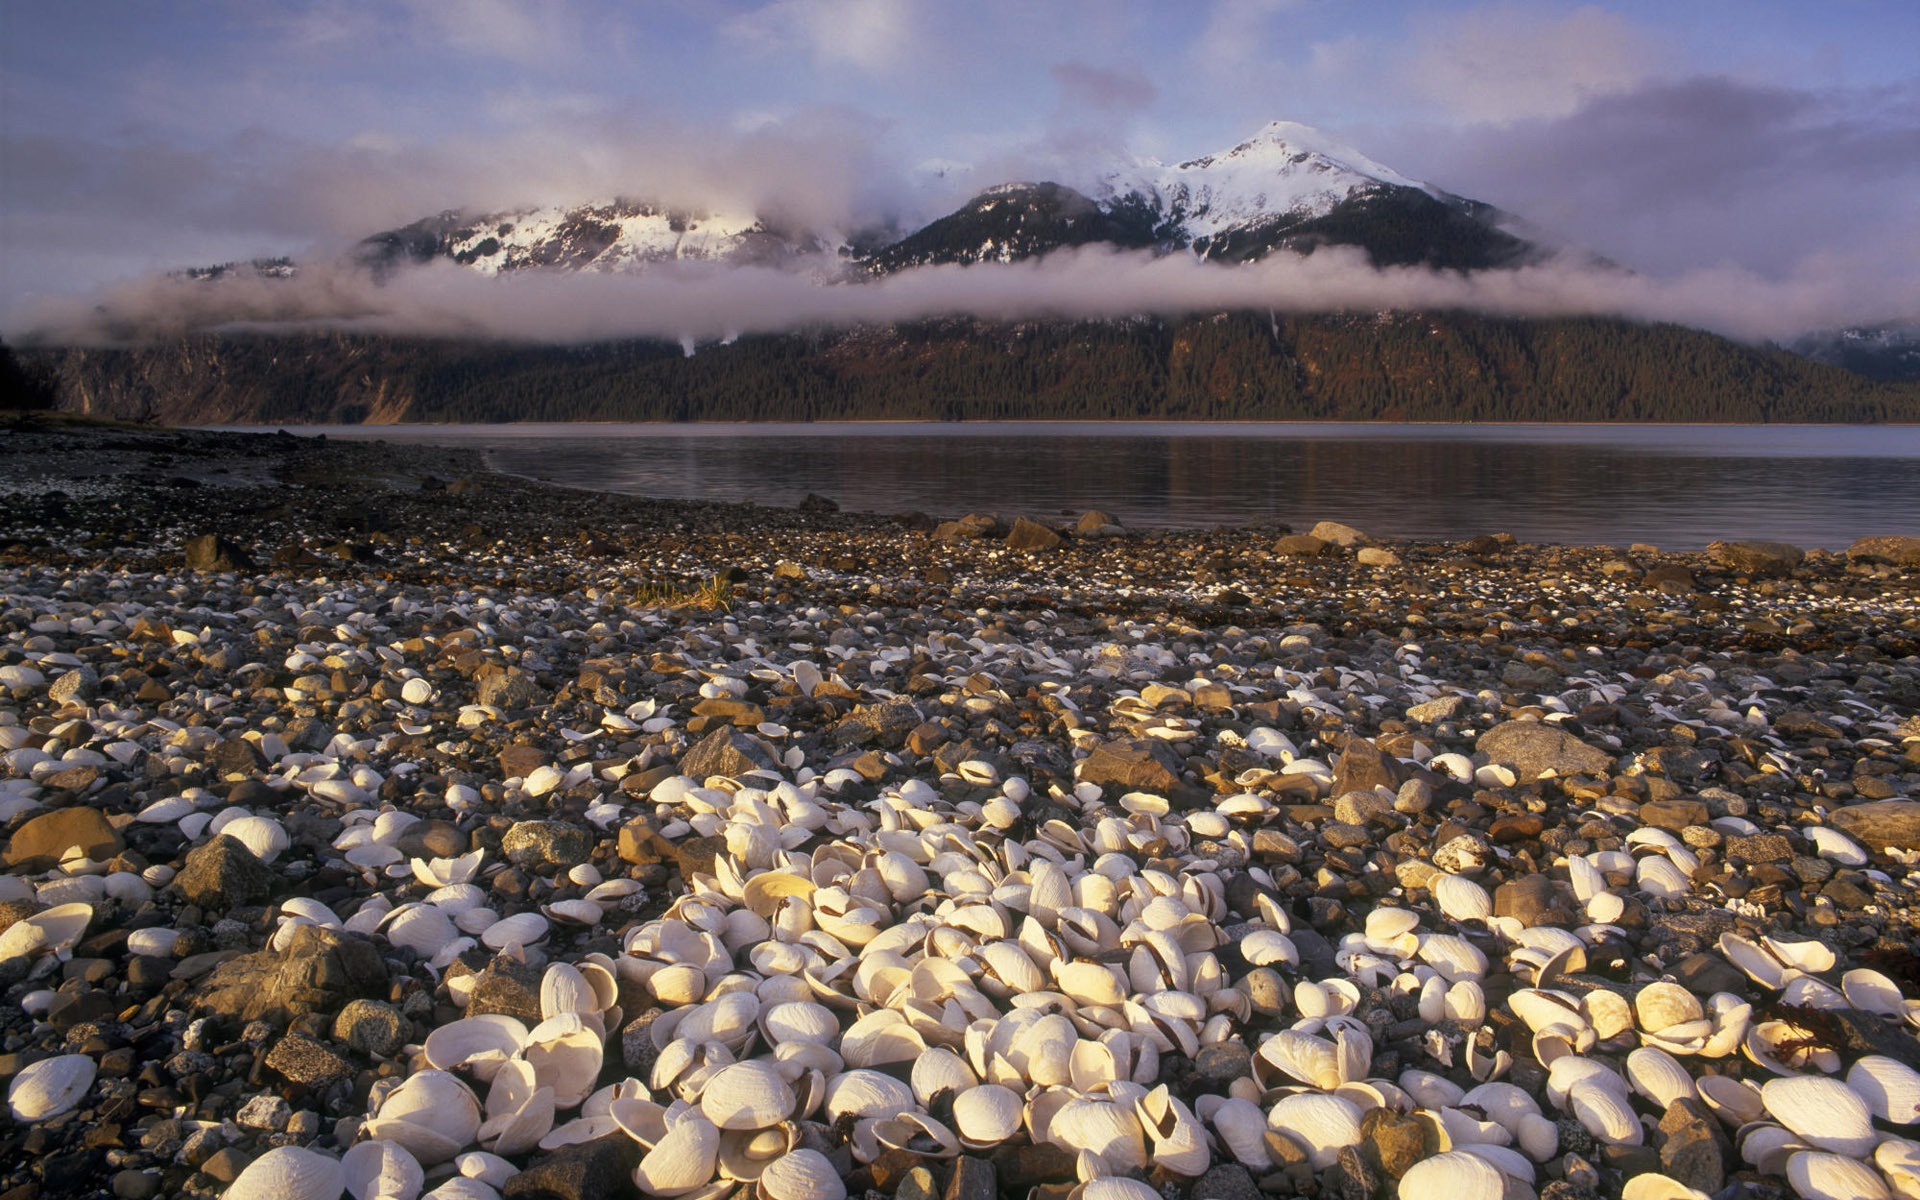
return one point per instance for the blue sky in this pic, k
(137, 136)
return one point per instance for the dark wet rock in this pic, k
(813, 502)
(1029, 537)
(1881, 824)
(1756, 558)
(588, 1171)
(211, 552)
(1533, 748)
(1027, 1166)
(320, 970)
(1703, 974)
(546, 843)
(45, 839)
(223, 873)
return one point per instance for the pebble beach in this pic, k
(377, 825)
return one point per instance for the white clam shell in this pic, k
(1455, 1175)
(1827, 1113)
(289, 1173)
(802, 1175)
(747, 1095)
(50, 1087)
(1817, 1176)
(264, 836)
(683, 1160)
(1461, 899)
(987, 1115)
(380, 1170)
(53, 931)
(1890, 1088)
(521, 929)
(1322, 1124)
(491, 1038)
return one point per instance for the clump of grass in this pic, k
(711, 593)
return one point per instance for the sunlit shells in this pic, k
(747, 1095)
(1456, 1175)
(52, 931)
(1826, 1112)
(50, 1087)
(683, 1160)
(1461, 899)
(1890, 1088)
(379, 1170)
(1321, 1124)
(1817, 1176)
(289, 1173)
(802, 1175)
(986, 1115)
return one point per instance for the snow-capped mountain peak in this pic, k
(1285, 170)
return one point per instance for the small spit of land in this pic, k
(377, 823)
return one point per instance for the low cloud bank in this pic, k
(708, 302)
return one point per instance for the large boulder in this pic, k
(1133, 765)
(46, 839)
(1533, 748)
(211, 552)
(1028, 537)
(1900, 551)
(1882, 824)
(1335, 533)
(319, 970)
(1756, 558)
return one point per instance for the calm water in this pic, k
(1678, 487)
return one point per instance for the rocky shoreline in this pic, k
(690, 849)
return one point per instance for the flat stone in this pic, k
(1300, 545)
(1441, 708)
(1134, 765)
(1534, 748)
(1673, 814)
(45, 839)
(1375, 556)
(301, 1059)
(1759, 847)
(1881, 824)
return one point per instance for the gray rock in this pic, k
(1220, 1063)
(301, 1059)
(510, 688)
(546, 843)
(885, 724)
(371, 1027)
(1532, 748)
(224, 874)
(318, 971)
(78, 686)
(725, 752)
(1695, 1148)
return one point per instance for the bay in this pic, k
(1674, 486)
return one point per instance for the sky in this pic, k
(1762, 144)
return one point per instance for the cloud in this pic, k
(708, 302)
(876, 36)
(1235, 35)
(1507, 62)
(1697, 172)
(520, 31)
(1101, 90)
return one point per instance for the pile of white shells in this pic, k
(905, 975)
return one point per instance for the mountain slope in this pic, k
(1890, 351)
(1435, 367)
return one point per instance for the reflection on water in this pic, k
(1675, 486)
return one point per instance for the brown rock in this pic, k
(44, 840)
(518, 762)
(1028, 537)
(1300, 545)
(1528, 899)
(301, 1059)
(1363, 767)
(1756, 558)
(1695, 1148)
(318, 971)
(1673, 814)
(1533, 748)
(1134, 765)
(1900, 551)
(972, 1179)
(1393, 1141)
(224, 873)
(1881, 824)
(723, 752)
(1760, 848)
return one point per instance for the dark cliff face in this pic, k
(1222, 366)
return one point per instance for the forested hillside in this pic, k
(1426, 367)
